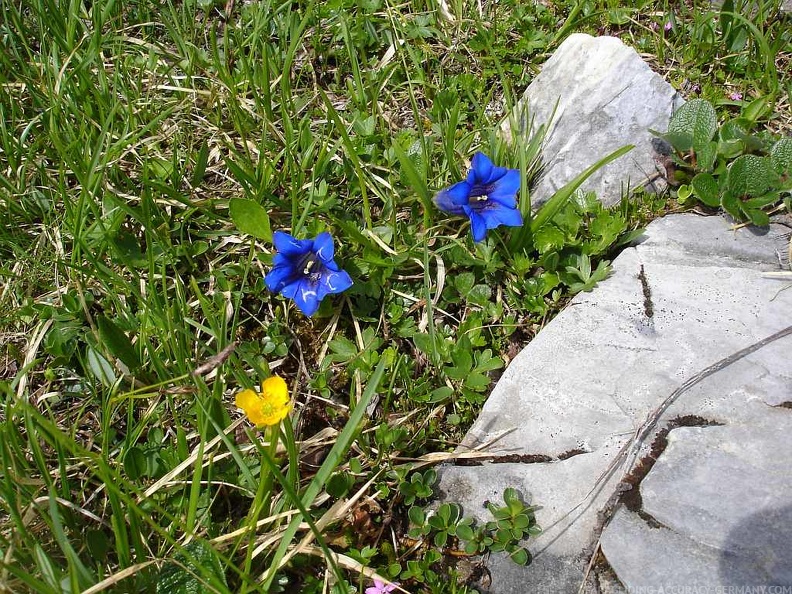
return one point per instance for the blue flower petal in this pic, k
(284, 260)
(500, 215)
(290, 289)
(478, 226)
(323, 247)
(288, 245)
(483, 171)
(480, 169)
(334, 282)
(505, 189)
(459, 193)
(280, 276)
(453, 198)
(306, 296)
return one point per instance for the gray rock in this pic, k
(607, 97)
(690, 294)
(721, 495)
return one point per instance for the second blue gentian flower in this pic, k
(488, 197)
(304, 270)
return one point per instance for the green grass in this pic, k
(128, 128)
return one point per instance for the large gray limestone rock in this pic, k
(607, 97)
(689, 295)
(717, 507)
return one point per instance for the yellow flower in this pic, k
(268, 407)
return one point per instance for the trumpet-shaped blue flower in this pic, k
(487, 197)
(304, 270)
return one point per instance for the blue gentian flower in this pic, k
(488, 197)
(304, 270)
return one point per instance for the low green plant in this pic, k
(446, 526)
(727, 165)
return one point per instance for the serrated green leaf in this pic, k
(117, 343)
(749, 175)
(250, 217)
(343, 347)
(486, 362)
(696, 118)
(705, 187)
(549, 238)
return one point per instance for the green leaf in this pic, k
(757, 109)
(684, 192)
(736, 129)
(749, 175)
(477, 381)
(135, 463)
(441, 394)
(705, 187)
(117, 343)
(521, 556)
(757, 217)
(706, 155)
(195, 568)
(479, 295)
(199, 168)
(99, 367)
(731, 205)
(549, 238)
(781, 156)
(464, 281)
(250, 217)
(486, 362)
(696, 119)
(344, 348)
(417, 516)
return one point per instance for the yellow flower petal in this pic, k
(268, 408)
(248, 400)
(275, 390)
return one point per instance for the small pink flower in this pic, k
(696, 88)
(654, 26)
(380, 588)
(668, 26)
(735, 96)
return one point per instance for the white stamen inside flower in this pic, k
(309, 266)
